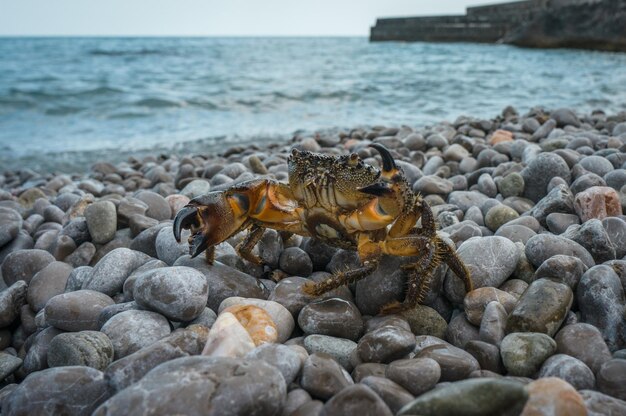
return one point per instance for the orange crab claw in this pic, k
(389, 165)
(185, 218)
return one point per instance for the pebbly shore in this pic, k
(102, 312)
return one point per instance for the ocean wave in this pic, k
(63, 110)
(158, 103)
(43, 93)
(125, 52)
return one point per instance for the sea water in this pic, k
(67, 102)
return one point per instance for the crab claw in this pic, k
(389, 165)
(197, 244)
(185, 218)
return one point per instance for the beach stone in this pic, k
(466, 199)
(424, 320)
(196, 188)
(101, 221)
(558, 200)
(358, 399)
(129, 207)
(416, 375)
(601, 301)
(616, 230)
(597, 202)
(86, 348)
(145, 241)
(599, 404)
(553, 396)
(228, 338)
(487, 355)
(523, 353)
(73, 390)
(596, 164)
(253, 319)
(130, 369)
(340, 349)
(47, 283)
(570, 369)
(385, 344)
(158, 208)
(611, 378)
(455, 363)
(542, 308)
(138, 223)
(178, 293)
(288, 292)
(543, 246)
(82, 256)
(76, 311)
(475, 397)
(432, 184)
(109, 274)
(490, 260)
(206, 318)
(567, 269)
(460, 331)
(10, 224)
(540, 171)
(8, 365)
(558, 223)
(322, 377)
(335, 317)
(487, 186)
(319, 253)
(203, 385)
(594, 238)
(224, 282)
(24, 264)
(565, 117)
(77, 278)
(132, 330)
(394, 396)
(493, 323)
(280, 356)
(511, 185)
(11, 301)
(296, 262)
(477, 300)
(499, 215)
(515, 233)
(295, 400)
(368, 369)
(283, 319)
(376, 322)
(586, 181)
(167, 248)
(584, 342)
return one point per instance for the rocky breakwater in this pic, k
(102, 312)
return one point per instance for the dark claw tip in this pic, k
(388, 163)
(185, 217)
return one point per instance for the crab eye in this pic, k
(295, 152)
(353, 159)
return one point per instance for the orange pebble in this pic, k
(256, 321)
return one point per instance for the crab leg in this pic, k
(245, 247)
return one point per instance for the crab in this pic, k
(340, 200)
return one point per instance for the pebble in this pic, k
(490, 260)
(466, 199)
(228, 338)
(432, 184)
(167, 248)
(593, 237)
(358, 399)
(570, 369)
(477, 300)
(493, 323)
(280, 315)
(511, 185)
(10, 224)
(567, 269)
(101, 221)
(394, 396)
(559, 200)
(132, 330)
(542, 308)
(296, 262)
(540, 171)
(256, 322)
(47, 283)
(543, 246)
(523, 353)
(24, 264)
(601, 301)
(584, 342)
(480, 396)
(295, 399)
(597, 202)
(339, 348)
(11, 301)
(599, 404)
(487, 355)
(596, 164)
(335, 317)
(455, 363)
(553, 396)
(322, 377)
(611, 378)
(76, 311)
(416, 375)
(424, 320)
(499, 215)
(73, 390)
(158, 207)
(182, 383)
(130, 369)
(86, 348)
(196, 188)
(616, 230)
(109, 274)
(385, 344)
(178, 293)
(460, 331)
(8, 365)
(280, 356)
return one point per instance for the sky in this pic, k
(210, 17)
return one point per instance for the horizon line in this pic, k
(179, 36)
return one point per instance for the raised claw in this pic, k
(185, 218)
(197, 244)
(388, 163)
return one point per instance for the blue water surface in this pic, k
(65, 102)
